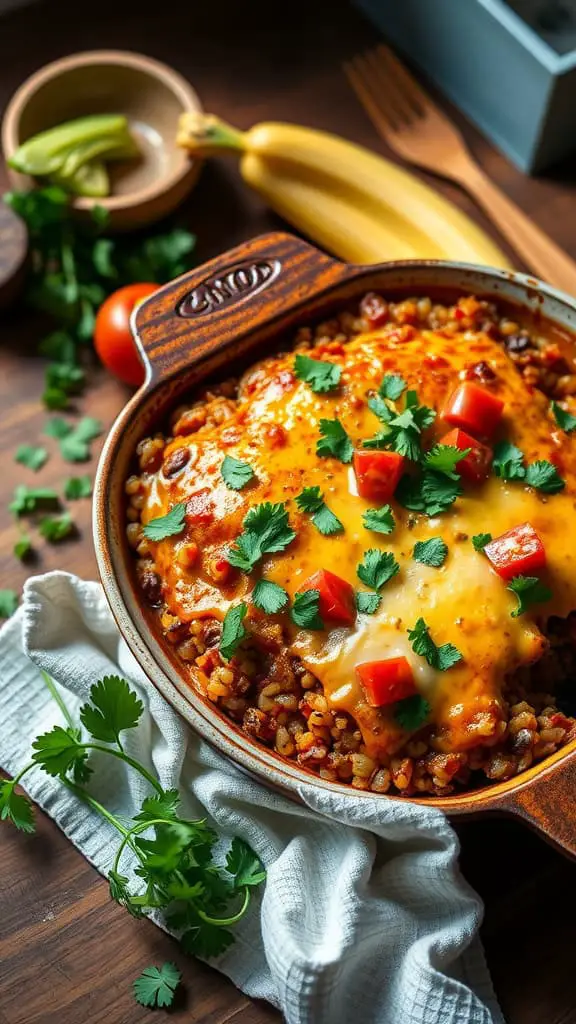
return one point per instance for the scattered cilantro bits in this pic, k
(508, 461)
(77, 487)
(508, 464)
(440, 658)
(392, 386)
(480, 540)
(266, 531)
(56, 528)
(529, 590)
(305, 611)
(443, 458)
(311, 500)
(367, 602)
(31, 456)
(379, 520)
(377, 568)
(236, 474)
(8, 603)
(412, 712)
(75, 444)
(269, 597)
(15, 808)
(544, 476)
(334, 441)
(23, 547)
(565, 420)
(156, 986)
(57, 427)
(168, 525)
(320, 375)
(29, 499)
(431, 552)
(429, 492)
(233, 630)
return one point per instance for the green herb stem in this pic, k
(225, 922)
(91, 801)
(122, 756)
(59, 701)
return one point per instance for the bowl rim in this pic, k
(169, 77)
(212, 725)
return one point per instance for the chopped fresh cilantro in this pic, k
(77, 487)
(305, 611)
(508, 461)
(439, 492)
(75, 445)
(15, 808)
(392, 386)
(113, 707)
(8, 603)
(367, 602)
(440, 658)
(31, 456)
(57, 427)
(379, 520)
(334, 441)
(243, 864)
(266, 530)
(236, 474)
(168, 525)
(412, 712)
(529, 590)
(56, 528)
(233, 631)
(269, 597)
(23, 547)
(29, 499)
(311, 500)
(379, 441)
(401, 430)
(544, 476)
(480, 540)
(381, 410)
(431, 552)
(320, 375)
(443, 458)
(156, 986)
(565, 420)
(377, 568)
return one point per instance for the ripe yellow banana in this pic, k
(356, 204)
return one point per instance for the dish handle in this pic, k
(216, 305)
(546, 802)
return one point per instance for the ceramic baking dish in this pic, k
(233, 309)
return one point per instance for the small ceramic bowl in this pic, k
(149, 93)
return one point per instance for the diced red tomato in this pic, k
(519, 552)
(336, 597)
(474, 409)
(476, 465)
(375, 310)
(377, 473)
(385, 682)
(200, 507)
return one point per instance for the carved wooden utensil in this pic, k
(235, 307)
(13, 252)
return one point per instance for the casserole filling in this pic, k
(380, 519)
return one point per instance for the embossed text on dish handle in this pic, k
(231, 286)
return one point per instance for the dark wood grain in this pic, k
(67, 954)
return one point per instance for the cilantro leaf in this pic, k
(423, 416)
(58, 428)
(405, 435)
(443, 458)
(544, 476)
(508, 461)
(156, 986)
(529, 590)
(311, 500)
(56, 528)
(59, 751)
(334, 441)
(377, 568)
(439, 492)
(402, 430)
(236, 474)
(31, 456)
(305, 611)
(392, 386)
(244, 865)
(480, 540)
(266, 531)
(367, 602)
(379, 520)
(28, 499)
(382, 411)
(206, 940)
(320, 375)
(23, 547)
(77, 487)
(15, 808)
(75, 445)
(168, 525)
(412, 712)
(113, 708)
(233, 631)
(164, 806)
(379, 441)
(8, 603)
(440, 658)
(564, 419)
(269, 597)
(431, 552)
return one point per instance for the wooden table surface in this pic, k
(67, 953)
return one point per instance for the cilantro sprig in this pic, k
(440, 658)
(379, 520)
(401, 431)
(305, 611)
(431, 552)
(156, 986)
(320, 375)
(377, 568)
(412, 712)
(167, 525)
(334, 441)
(565, 420)
(311, 500)
(529, 590)
(236, 474)
(233, 630)
(266, 531)
(508, 464)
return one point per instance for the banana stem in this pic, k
(208, 135)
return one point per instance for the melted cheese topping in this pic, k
(275, 426)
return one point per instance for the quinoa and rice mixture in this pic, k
(268, 692)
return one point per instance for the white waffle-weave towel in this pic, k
(364, 915)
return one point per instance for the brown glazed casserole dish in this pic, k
(213, 323)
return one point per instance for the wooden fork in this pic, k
(422, 134)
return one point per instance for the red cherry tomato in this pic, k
(336, 602)
(519, 552)
(476, 465)
(377, 473)
(473, 409)
(385, 682)
(113, 339)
